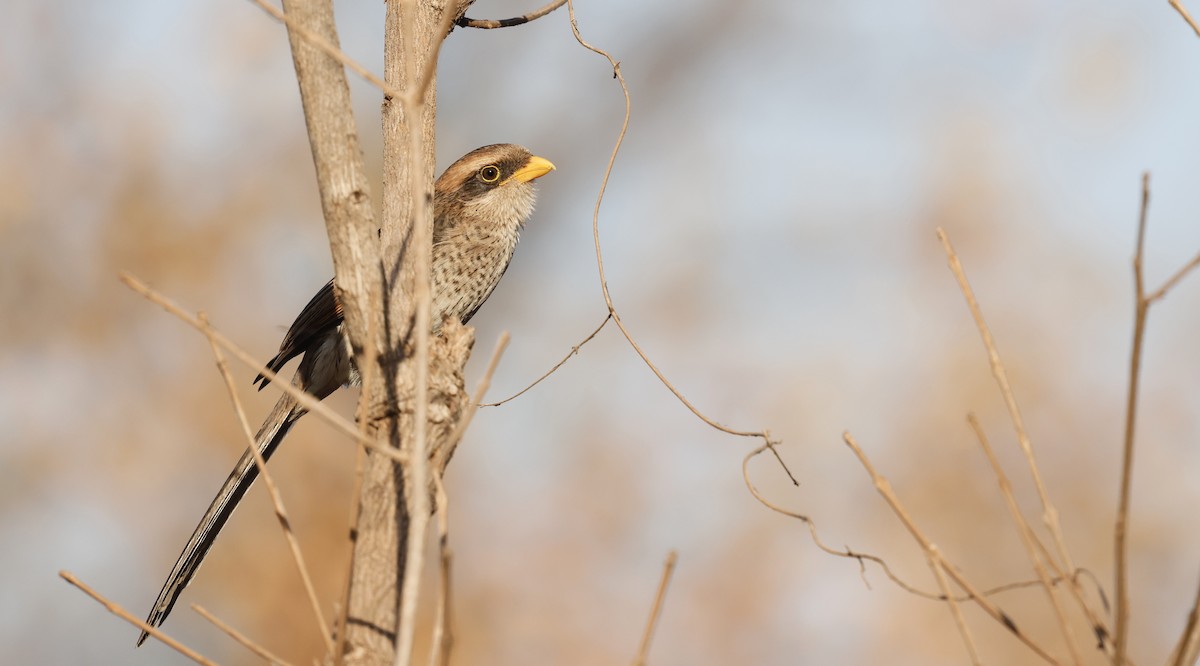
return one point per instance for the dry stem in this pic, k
(1049, 513)
(656, 610)
(120, 612)
(330, 49)
(305, 399)
(934, 557)
(765, 435)
(442, 456)
(1186, 16)
(443, 637)
(490, 24)
(269, 482)
(573, 352)
(1142, 303)
(1141, 308)
(239, 637)
(1186, 648)
(885, 489)
(1033, 545)
(847, 552)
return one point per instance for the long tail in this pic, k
(272, 432)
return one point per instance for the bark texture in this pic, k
(376, 271)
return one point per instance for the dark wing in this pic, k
(487, 294)
(322, 313)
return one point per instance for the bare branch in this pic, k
(862, 558)
(345, 191)
(441, 457)
(885, 490)
(1183, 271)
(1185, 651)
(1049, 512)
(656, 610)
(616, 68)
(240, 637)
(443, 634)
(1029, 538)
(120, 612)
(490, 24)
(305, 399)
(330, 49)
(269, 482)
(429, 70)
(1186, 16)
(1141, 308)
(934, 557)
(443, 637)
(574, 351)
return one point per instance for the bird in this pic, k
(481, 203)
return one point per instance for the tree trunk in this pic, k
(377, 279)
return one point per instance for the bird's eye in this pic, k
(489, 174)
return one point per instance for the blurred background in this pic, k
(769, 238)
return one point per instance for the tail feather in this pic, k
(272, 432)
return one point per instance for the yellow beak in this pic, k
(536, 167)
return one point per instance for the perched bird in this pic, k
(480, 205)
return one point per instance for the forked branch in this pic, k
(1141, 311)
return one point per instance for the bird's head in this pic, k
(493, 184)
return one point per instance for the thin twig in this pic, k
(936, 561)
(1186, 16)
(442, 456)
(268, 481)
(1157, 294)
(574, 351)
(446, 642)
(1140, 309)
(1028, 538)
(330, 49)
(1180, 655)
(616, 68)
(239, 637)
(1192, 654)
(120, 612)
(1049, 512)
(443, 635)
(305, 399)
(656, 610)
(847, 552)
(443, 638)
(343, 610)
(491, 24)
(1142, 303)
(885, 490)
(418, 92)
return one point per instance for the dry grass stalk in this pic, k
(119, 611)
(241, 638)
(269, 482)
